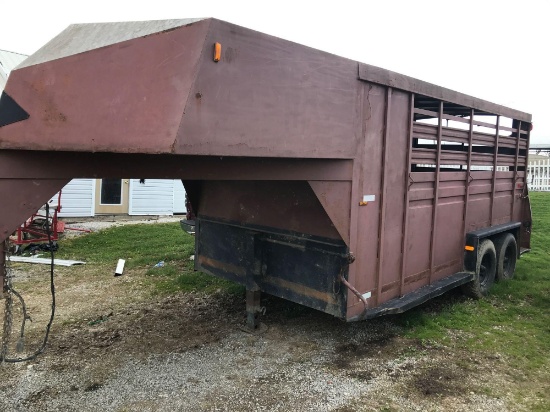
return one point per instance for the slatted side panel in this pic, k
(466, 172)
(432, 176)
(392, 207)
(504, 198)
(421, 263)
(417, 244)
(381, 224)
(369, 216)
(479, 213)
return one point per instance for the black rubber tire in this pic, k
(485, 271)
(507, 255)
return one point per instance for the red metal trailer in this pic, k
(342, 186)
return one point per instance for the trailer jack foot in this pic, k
(253, 309)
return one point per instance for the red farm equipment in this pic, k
(35, 229)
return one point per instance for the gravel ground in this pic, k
(96, 224)
(115, 347)
(239, 373)
(308, 363)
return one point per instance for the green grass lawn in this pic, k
(143, 246)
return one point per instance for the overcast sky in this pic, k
(494, 50)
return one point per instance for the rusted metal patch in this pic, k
(301, 289)
(226, 267)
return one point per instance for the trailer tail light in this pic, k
(217, 52)
(469, 248)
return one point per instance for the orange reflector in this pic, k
(469, 248)
(217, 52)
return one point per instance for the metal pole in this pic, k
(253, 308)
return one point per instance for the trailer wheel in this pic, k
(507, 254)
(485, 271)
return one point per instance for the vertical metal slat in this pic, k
(516, 162)
(468, 173)
(493, 184)
(436, 190)
(406, 201)
(382, 214)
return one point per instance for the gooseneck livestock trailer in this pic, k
(335, 184)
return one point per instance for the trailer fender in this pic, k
(474, 239)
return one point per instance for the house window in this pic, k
(111, 191)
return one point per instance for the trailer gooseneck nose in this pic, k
(293, 159)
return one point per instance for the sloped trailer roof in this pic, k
(313, 177)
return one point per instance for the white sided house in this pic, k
(92, 197)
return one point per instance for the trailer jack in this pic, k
(253, 309)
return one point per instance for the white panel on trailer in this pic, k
(154, 197)
(179, 197)
(77, 198)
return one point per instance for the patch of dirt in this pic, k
(39, 396)
(440, 381)
(170, 324)
(350, 352)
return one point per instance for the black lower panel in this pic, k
(295, 267)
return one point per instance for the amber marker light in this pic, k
(217, 52)
(469, 248)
